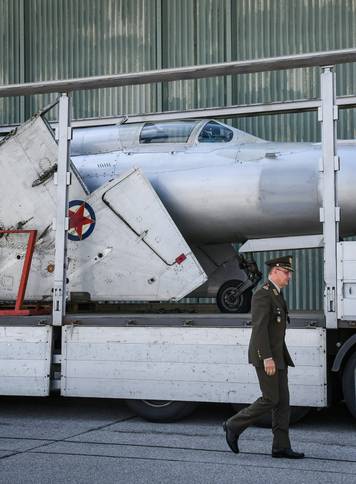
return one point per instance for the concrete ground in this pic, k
(100, 441)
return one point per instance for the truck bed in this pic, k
(298, 319)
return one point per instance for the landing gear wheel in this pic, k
(229, 301)
(296, 414)
(161, 410)
(349, 384)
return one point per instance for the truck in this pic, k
(59, 240)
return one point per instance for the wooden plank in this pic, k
(184, 372)
(28, 334)
(24, 386)
(182, 336)
(23, 367)
(25, 362)
(202, 364)
(207, 353)
(313, 396)
(21, 350)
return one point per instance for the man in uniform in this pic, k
(269, 355)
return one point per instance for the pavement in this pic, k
(59, 440)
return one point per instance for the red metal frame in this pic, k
(24, 277)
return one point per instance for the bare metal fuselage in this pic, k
(225, 192)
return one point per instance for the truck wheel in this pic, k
(349, 384)
(161, 410)
(228, 301)
(296, 414)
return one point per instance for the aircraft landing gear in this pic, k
(230, 300)
(235, 296)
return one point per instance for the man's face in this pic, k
(281, 276)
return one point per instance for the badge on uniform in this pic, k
(275, 292)
(266, 287)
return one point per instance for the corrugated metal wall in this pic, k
(11, 57)
(306, 287)
(196, 32)
(53, 39)
(74, 38)
(56, 39)
(267, 28)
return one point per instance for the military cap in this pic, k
(284, 262)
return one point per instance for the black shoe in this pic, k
(287, 454)
(231, 439)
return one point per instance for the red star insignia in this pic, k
(77, 220)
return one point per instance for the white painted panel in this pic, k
(158, 230)
(25, 359)
(21, 368)
(197, 364)
(237, 354)
(24, 386)
(24, 334)
(178, 390)
(14, 351)
(186, 335)
(188, 372)
(346, 286)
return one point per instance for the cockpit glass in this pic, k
(214, 132)
(169, 132)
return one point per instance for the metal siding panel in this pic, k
(12, 58)
(306, 287)
(265, 29)
(195, 32)
(179, 34)
(129, 363)
(211, 47)
(84, 38)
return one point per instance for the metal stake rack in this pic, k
(61, 223)
(330, 212)
(327, 108)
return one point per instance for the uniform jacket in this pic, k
(269, 321)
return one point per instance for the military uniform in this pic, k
(269, 322)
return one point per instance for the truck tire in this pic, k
(161, 410)
(227, 300)
(349, 384)
(296, 414)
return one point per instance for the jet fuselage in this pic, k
(218, 183)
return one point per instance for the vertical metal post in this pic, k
(330, 212)
(62, 180)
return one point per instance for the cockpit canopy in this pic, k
(121, 137)
(181, 130)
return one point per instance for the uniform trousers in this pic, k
(275, 398)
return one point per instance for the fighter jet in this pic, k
(221, 186)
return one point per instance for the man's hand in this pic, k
(270, 366)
